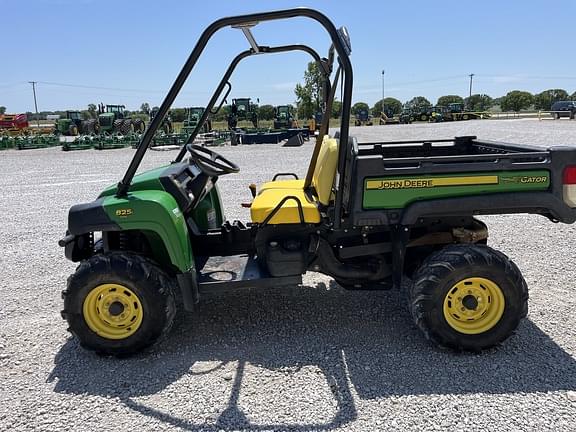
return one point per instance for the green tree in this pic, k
(336, 109)
(308, 95)
(516, 101)
(145, 108)
(2, 109)
(178, 114)
(92, 110)
(222, 113)
(448, 99)
(391, 106)
(418, 102)
(543, 101)
(266, 112)
(479, 102)
(359, 106)
(572, 97)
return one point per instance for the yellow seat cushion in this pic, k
(283, 184)
(268, 199)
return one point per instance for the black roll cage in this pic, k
(244, 22)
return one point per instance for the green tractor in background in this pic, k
(114, 119)
(193, 116)
(167, 127)
(243, 109)
(284, 117)
(74, 125)
(363, 117)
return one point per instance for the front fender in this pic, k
(146, 211)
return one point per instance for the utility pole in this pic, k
(383, 71)
(35, 103)
(471, 76)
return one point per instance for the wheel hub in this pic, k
(112, 311)
(116, 308)
(474, 305)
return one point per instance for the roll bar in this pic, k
(341, 46)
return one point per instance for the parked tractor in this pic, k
(193, 116)
(458, 112)
(363, 117)
(113, 119)
(73, 124)
(242, 110)
(284, 117)
(167, 127)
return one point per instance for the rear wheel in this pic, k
(127, 127)
(117, 125)
(139, 125)
(468, 297)
(119, 303)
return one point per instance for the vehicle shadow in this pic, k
(364, 344)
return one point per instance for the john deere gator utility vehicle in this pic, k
(113, 118)
(373, 216)
(74, 125)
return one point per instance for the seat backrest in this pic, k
(325, 169)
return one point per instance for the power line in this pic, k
(99, 88)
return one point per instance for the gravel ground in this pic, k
(304, 358)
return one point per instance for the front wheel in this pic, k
(468, 297)
(119, 303)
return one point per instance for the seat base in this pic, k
(268, 199)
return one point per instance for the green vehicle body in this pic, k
(154, 212)
(399, 192)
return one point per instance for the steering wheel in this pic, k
(210, 162)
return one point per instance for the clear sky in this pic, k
(129, 52)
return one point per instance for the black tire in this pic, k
(127, 127)
(438, 277)
(90, 127)
(151, 285)
(139, 125)
(117, 125)
(73, 130)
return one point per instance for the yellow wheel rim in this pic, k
(474, 305)
(112, 311)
